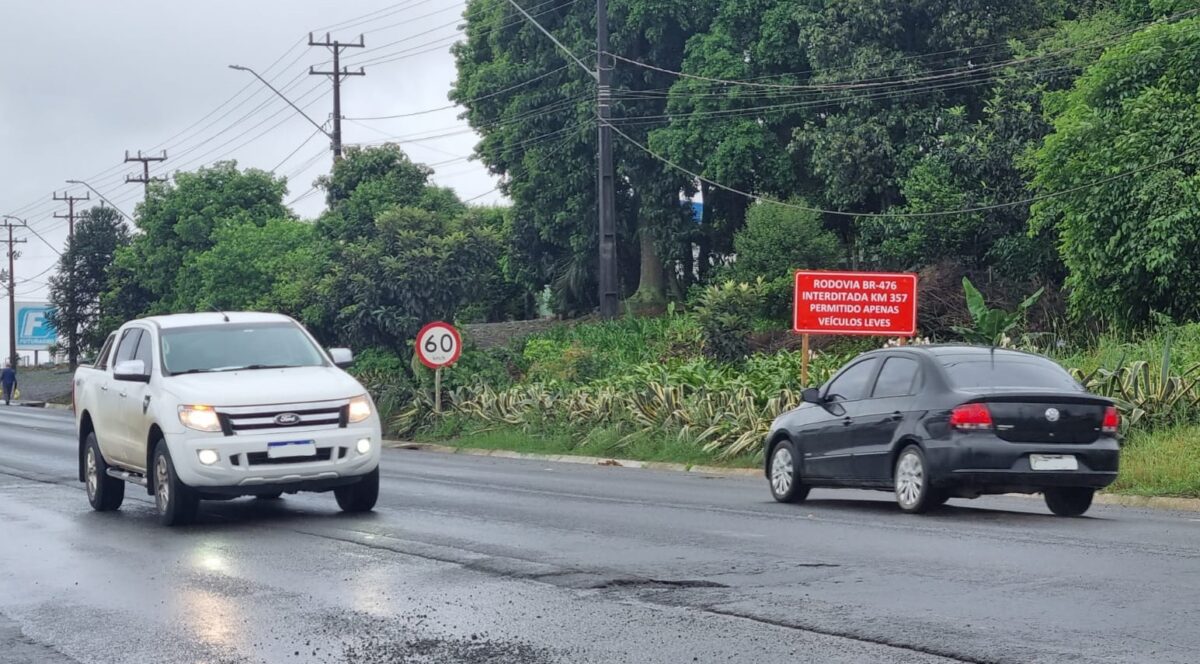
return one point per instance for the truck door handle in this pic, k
(846, 421)
(897, 416)
(103, 388)
(124, 394)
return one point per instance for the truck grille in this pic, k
(261, 458)
(282, 418)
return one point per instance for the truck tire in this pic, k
(177, 502)
(360, 496)
(104, 493)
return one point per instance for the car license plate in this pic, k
(287, 450)
(1053, 462)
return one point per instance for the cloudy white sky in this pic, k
(85, 81)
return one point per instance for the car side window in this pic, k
(897, 378)
(102, 358)
(853, 384)
(128, 347)
(145, 350)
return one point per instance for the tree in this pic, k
(178, 221)
(776, 242)
(1132, 245)
(537, 121)
(82, 277)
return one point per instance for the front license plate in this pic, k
(298, 448)
(1053, 462)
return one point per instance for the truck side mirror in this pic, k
(133, 371)
(342, 357)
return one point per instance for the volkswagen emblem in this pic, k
(292, 419)
(1052, 414)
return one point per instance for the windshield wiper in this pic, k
(191, 371)
(255, 367)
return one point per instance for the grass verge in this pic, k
(598, 443)
(1161, 463)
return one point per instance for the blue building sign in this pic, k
(34, 331)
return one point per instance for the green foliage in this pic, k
(178, 222)
(775, 243)
(992, 326)
(1148, 393)
(726, 316)
(1132, 245)
(82, 279)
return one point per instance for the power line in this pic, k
(908, 215)
(467, 101)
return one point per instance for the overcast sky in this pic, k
(85, 81)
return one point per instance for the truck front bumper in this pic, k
(244, 463)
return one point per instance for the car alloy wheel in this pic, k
(92, 473)
(910, 479)
(782, 471)
(162, 484)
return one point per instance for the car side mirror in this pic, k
(342, 357)
(133, 371)
(812, 395)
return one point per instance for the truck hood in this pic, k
(264, 387)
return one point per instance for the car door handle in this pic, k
(103, 388)
(897, 416)
(846, 421)
(124, 394)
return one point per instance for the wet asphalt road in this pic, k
(472, 559)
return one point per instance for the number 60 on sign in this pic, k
(438, 345)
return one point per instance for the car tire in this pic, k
(1069, 501)
(360, 496)
(177, 503)
(785, 479)
(104, 493)
(912, 482)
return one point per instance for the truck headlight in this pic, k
(200, 418)
(360, 408)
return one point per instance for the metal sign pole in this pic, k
(437, 391)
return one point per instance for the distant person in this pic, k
(8, 379)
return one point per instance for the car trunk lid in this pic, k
(1045, 417)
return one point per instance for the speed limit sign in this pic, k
(438, 345)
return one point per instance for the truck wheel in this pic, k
(177, 502)
(360, 496)
(104, 493)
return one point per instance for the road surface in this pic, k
(473, 559)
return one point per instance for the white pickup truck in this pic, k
(215, 406)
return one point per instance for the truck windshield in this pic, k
(234, 347)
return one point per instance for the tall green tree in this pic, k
(82, 277)
(176, 222)
(535, 111)
(1132, 244)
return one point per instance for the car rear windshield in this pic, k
(1007, 372)
(233, 346)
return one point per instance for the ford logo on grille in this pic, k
(1052, 414)
(287, 419)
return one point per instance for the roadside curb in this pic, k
(56, 406)
(1142, 502)
(581, 460)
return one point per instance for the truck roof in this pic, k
(214, 318)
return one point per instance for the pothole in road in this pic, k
(655, 583)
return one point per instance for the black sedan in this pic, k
(936, 422)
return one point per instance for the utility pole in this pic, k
(337, 75)
(606, 191)
(12, 286)
(73, 333)
(144, 178)
(70, 215)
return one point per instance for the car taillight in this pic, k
(1112, 420)
(971, 417)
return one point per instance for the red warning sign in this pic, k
(868, 303)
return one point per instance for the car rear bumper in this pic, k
(243, 464)
(988, 464)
